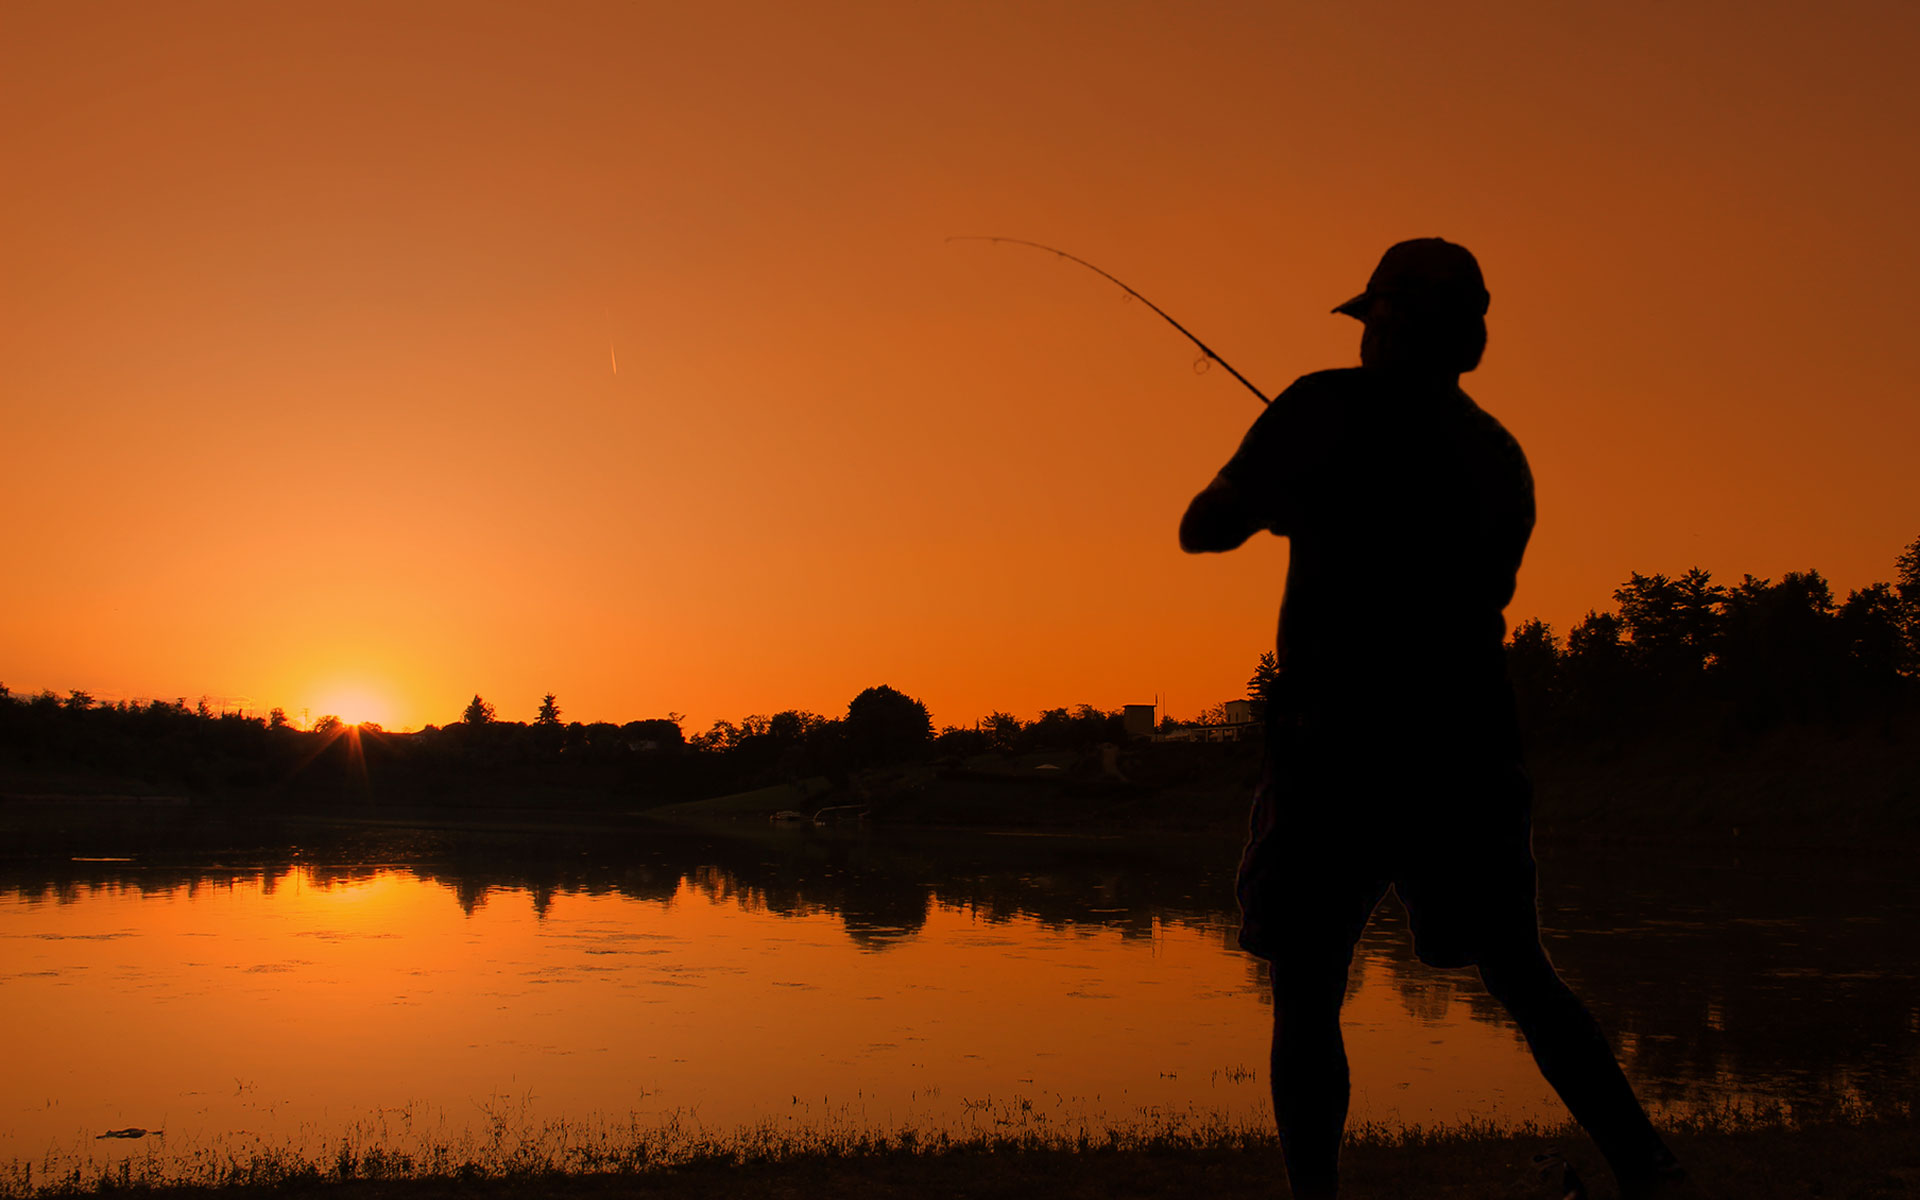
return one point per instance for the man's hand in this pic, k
(1216, 520)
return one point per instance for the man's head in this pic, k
(1425, 310)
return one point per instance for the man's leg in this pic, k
(1574, 1056)
(1308, 1072)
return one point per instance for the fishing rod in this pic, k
(1161, 312)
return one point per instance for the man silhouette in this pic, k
(1393, 758)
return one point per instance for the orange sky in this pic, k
(308, 312)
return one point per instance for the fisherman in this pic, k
(1393, 755)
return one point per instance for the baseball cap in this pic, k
(1434, 272)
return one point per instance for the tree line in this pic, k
(1755, 653)
(881, 725)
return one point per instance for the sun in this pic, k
(356, 704)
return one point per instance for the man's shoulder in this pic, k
(1318, 405)
(1327, 387)
(1489, 426)
(1498, 450)
(1296, 426)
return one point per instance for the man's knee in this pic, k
(1310, 987)
(1520, 973)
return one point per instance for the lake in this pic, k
(406, 985)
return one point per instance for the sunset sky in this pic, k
(311, 312)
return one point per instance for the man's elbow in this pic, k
(1193, 536)
(1209, 541)
(1213, 523)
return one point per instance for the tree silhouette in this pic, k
(724, 736)
(794, 727)
(960, 741)
(1596, 667)
(277, 718)
(1906, 576)
(549, 713)
(1873, 628)
(1597, 638)
(328, 724)
(1698, 603)
(884, 725)
(1758, 651)
(1906, 581)
(1048, 730)
(478, 711)
(1781, 653)
(1533, 663)
(1265, 677)
(1673, 623)
(1002, 730)
(663, 733)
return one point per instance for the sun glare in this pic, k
(353, 704)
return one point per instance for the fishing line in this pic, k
(1205, 349)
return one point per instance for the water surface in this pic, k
(810, 978)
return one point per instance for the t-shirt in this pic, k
(1408, 509)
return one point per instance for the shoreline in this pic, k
(1862, 1155)
(1791, 786)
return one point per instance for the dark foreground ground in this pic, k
(1878, 1158)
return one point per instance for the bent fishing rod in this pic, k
(1160, 312)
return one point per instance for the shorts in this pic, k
(1338, 818)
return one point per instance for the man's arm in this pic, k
(1256, 489)
(1217, 519)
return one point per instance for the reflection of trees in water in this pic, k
(877, 912)
(70, 883)
(1799, 978)
(474, 877)
(1427, 997)
(883, 890)
(1789, 978)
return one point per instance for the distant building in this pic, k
(1244, 721)
(1137, 720)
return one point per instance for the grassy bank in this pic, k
(1796, 785)
(1862, 1157)
(1793, 785)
